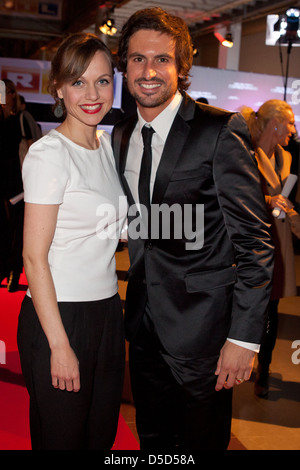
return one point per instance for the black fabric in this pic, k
(145, 173)
(177, 407)
(88, 419)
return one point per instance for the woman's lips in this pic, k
(91, 108)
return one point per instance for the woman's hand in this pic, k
(281, 202)
(65, 370)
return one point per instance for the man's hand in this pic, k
(235, 363)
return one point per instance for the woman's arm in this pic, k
(39, 227)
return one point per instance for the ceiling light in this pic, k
(8, 4)
(108, 27)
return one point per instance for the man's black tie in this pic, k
(145, 172)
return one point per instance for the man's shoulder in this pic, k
(213, 112)
(205, 114)
(215, 116)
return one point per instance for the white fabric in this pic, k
(91, 214)
(161, 125)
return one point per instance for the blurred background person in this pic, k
(11, 238)
(271, 128)
(35, 128)
(202, 99)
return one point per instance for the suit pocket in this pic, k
(208, 280)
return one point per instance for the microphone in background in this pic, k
(287, 188)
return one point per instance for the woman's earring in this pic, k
(59, 110)
(275, 128)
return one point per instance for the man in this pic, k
(192, 306)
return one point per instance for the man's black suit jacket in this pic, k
(199, 297)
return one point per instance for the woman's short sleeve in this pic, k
(46, 171)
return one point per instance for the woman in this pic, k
(11, 215)
(271, 128)
(70, 332)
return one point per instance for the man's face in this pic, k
(152, 75)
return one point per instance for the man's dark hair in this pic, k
(159, 20)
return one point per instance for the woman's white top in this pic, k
(92, 211)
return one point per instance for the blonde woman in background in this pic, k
(271, 128)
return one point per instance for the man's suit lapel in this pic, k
(121, 140)
(174, 144)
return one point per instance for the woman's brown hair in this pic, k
(73, 58)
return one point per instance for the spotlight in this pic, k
(292, 23)
(283, 29)
(228, 41)
(293, 17)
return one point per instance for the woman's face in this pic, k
(285, 129)
(90, 97)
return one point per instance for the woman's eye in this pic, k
(77, 83)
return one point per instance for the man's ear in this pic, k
(180, 77)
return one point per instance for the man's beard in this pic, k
(153, 101)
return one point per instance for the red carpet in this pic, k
(14, 409)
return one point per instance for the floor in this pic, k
(258, 424)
